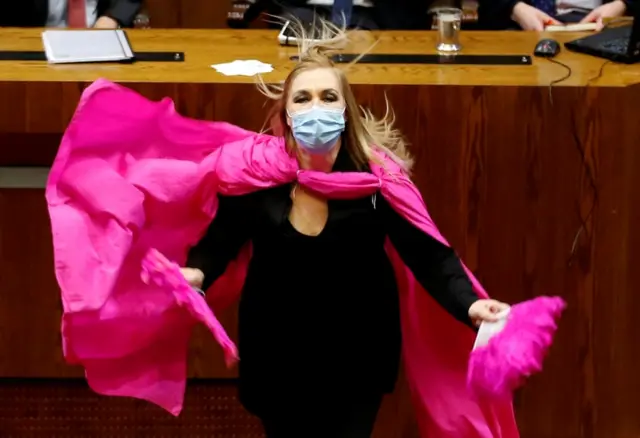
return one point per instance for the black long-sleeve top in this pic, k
(319, 315)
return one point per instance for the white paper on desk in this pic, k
(79, 46)
(489, 329)
(577, 27)
(249, 67)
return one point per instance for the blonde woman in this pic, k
(319, 276)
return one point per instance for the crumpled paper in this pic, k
(489, 329)
(249, 67)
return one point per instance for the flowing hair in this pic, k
(364, 132)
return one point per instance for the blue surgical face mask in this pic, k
(317, 129)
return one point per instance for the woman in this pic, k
(319, 275)
(337, 246)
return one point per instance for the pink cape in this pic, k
(131, 175)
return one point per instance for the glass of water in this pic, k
(448, 21)
(141, 21)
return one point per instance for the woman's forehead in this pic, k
(318, 79)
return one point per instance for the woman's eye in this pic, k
(300, 100)
(330, 98)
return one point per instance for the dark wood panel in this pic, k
(506, 175)
(188, 14)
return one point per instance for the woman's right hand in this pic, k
(195, 277)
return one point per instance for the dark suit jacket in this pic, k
(402, 14)
(496, 14)
(34, 13)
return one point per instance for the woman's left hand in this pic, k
(486, 311)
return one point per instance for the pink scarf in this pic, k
(132, 175)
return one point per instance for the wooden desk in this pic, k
(499, 162)
(205, 47)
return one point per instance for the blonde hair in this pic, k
(363, 131)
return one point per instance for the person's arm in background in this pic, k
(437, 268)
(120, 13)
(500, 14)
(226, 235)
(613, 9)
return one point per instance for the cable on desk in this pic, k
(600, 72)
(608, 24)
(561, 79)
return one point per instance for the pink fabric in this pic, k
(501, 366)
(132, 175)
(156, 269)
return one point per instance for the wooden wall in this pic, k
(509, 176)
(188, 14)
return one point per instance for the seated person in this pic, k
(103, 14)
(517, 14)
(360, 14)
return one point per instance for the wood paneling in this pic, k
(188, 14)
(539, 195)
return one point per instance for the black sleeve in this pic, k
(228, 232)
(632, 7)
(124, 11)
(496, 14)
(434, 265)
